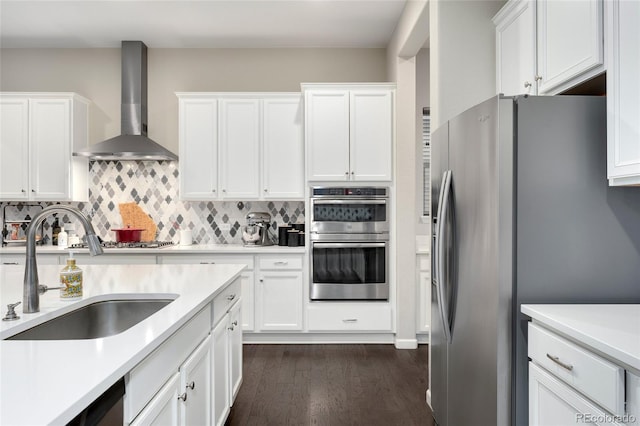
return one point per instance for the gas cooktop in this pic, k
(113, 244)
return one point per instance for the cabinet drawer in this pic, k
(279, 262)
(590, 374)
(204, 259)
(225, 300)
(372, 317)
(149, 376)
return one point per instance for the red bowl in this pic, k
(128, 235)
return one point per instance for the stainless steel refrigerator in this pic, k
(522, 214)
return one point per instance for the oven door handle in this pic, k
(348, 201)
(348, 245)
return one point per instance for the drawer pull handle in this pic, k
(183, 397)
(281, 262)
(191, 385)
(555, 359)
(350, 320)
(231, 297)
(9, 263)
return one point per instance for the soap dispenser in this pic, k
(62, 239)
(70, 280)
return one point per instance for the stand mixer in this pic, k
(256, 231)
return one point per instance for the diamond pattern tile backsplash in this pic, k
(154, 187)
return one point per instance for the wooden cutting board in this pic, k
(133, 216)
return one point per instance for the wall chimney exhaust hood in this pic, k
(133, 143)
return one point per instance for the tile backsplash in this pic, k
(154, 187)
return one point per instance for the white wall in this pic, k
(409, 36)
(462, 45)
(95, 74)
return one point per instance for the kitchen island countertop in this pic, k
(45, 382)
(612, 330)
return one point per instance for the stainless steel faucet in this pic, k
(31, 294)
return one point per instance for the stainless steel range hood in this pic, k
(133, 143)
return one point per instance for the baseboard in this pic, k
(423, 339)
(317, 338)
(406, 343)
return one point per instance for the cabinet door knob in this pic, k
(224, 190)
(538, 77)
(33, 190)
(346, 173)
(265, 190)
(261, 280)
(213, 190)
(527, 84)
(230, 328)
(183, 397)
(352, 173)
(234, 323)
(191, 385)
(231, 297)
(23, 191)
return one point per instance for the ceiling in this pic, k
(198, 24)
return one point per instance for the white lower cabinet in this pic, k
(552, 402)
(571, 384)
(220, 365)
(226, 362)
(149, 384)
(279, 293)
(424, 294)
(186, 398)
(361, 317)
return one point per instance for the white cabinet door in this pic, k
(623, 93)
(14, 149)
(424, 301)
(163, 409)
(198, 127)
(247, 282)
(282, 148)
(327, 135)
(195, 385)
(552, 402)
(570, 42)
(371, 135)
(50, 156)
(220, 377)
(235, 350)
(239, 148)
(279, 295)
(516, 48)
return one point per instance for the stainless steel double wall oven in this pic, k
(349, 237)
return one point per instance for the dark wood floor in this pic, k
(332, 385)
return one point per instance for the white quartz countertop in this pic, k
(45, 382)
(612, 330)
(175, 249)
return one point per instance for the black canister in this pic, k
(292, 238)
(301, 239)
(282, 235)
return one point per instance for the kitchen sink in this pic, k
(98, 319)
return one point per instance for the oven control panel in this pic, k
(369, 192)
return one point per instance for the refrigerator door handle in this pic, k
(445, 200)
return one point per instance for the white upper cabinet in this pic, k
(623, 92)
(198, 123)
(327, 134)
(371, 118)
(241, 146)
(39, 133)
(548, 46)
(349, 131)
(282, 148)
(516, 48)
(570, 43)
